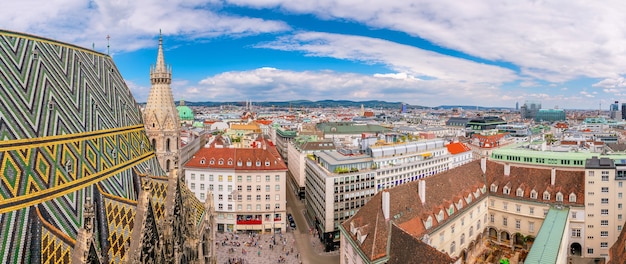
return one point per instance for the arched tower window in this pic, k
(167, 166)
(167, 145)
(154, 144)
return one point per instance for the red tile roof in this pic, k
(238, 159)
(408, 213)
(407, 210)
(526, 178)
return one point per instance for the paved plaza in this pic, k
(295, 246)
(258, 248)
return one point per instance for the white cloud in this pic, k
(131, 24)
(611, 83)
(586, 94)
(556, 41)
(270, 84)
(401, 58)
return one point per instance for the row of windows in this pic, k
(230, 162)
(248, 207)
(220, 178)
(518, 223)
(533, 194)
(518, 208)
(538, 160)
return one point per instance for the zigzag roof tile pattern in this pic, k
(69, 129)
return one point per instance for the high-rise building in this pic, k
(614, 110)
(529, 109)
(624, 111)
(160, 115)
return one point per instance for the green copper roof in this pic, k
(184, 112)
(551, 158)
(546, 246)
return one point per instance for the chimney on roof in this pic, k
(386, 205)
(507, 169)
(483, 164)
(553, 176)
(422, 191)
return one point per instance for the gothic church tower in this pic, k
(161, 116)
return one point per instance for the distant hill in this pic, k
(310, 104)
(473, 107)
(371, 104)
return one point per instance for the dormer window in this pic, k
(202, 161)
(220, 162)
(248, 163)
(239, 163)
(559, 197)
(451, 210)
(460, 204)
(546, 195)
(258, 163)
(533, 194)
(212, 161)
(520, 192)
(506, 190)
(494, 188)
(267, 163)
(572, 198)
(429, 222)
(440, 216)
(230, 162)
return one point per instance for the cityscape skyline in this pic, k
(425, 53)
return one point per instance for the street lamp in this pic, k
(274, 226)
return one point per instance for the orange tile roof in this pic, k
(457, 147)
(264, 122)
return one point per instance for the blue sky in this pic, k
(565, 54)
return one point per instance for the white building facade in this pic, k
(248, 186)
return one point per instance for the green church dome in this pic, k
(184, 112)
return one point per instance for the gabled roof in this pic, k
(406, 249)
(527, 178)
(408, 214)
(263, 159)
(407, 210)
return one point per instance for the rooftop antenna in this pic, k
(108, 38)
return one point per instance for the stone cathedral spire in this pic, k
(160, 115)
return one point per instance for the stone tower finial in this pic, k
(160, 73)
(160, 115)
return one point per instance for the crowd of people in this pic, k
(256, 248)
